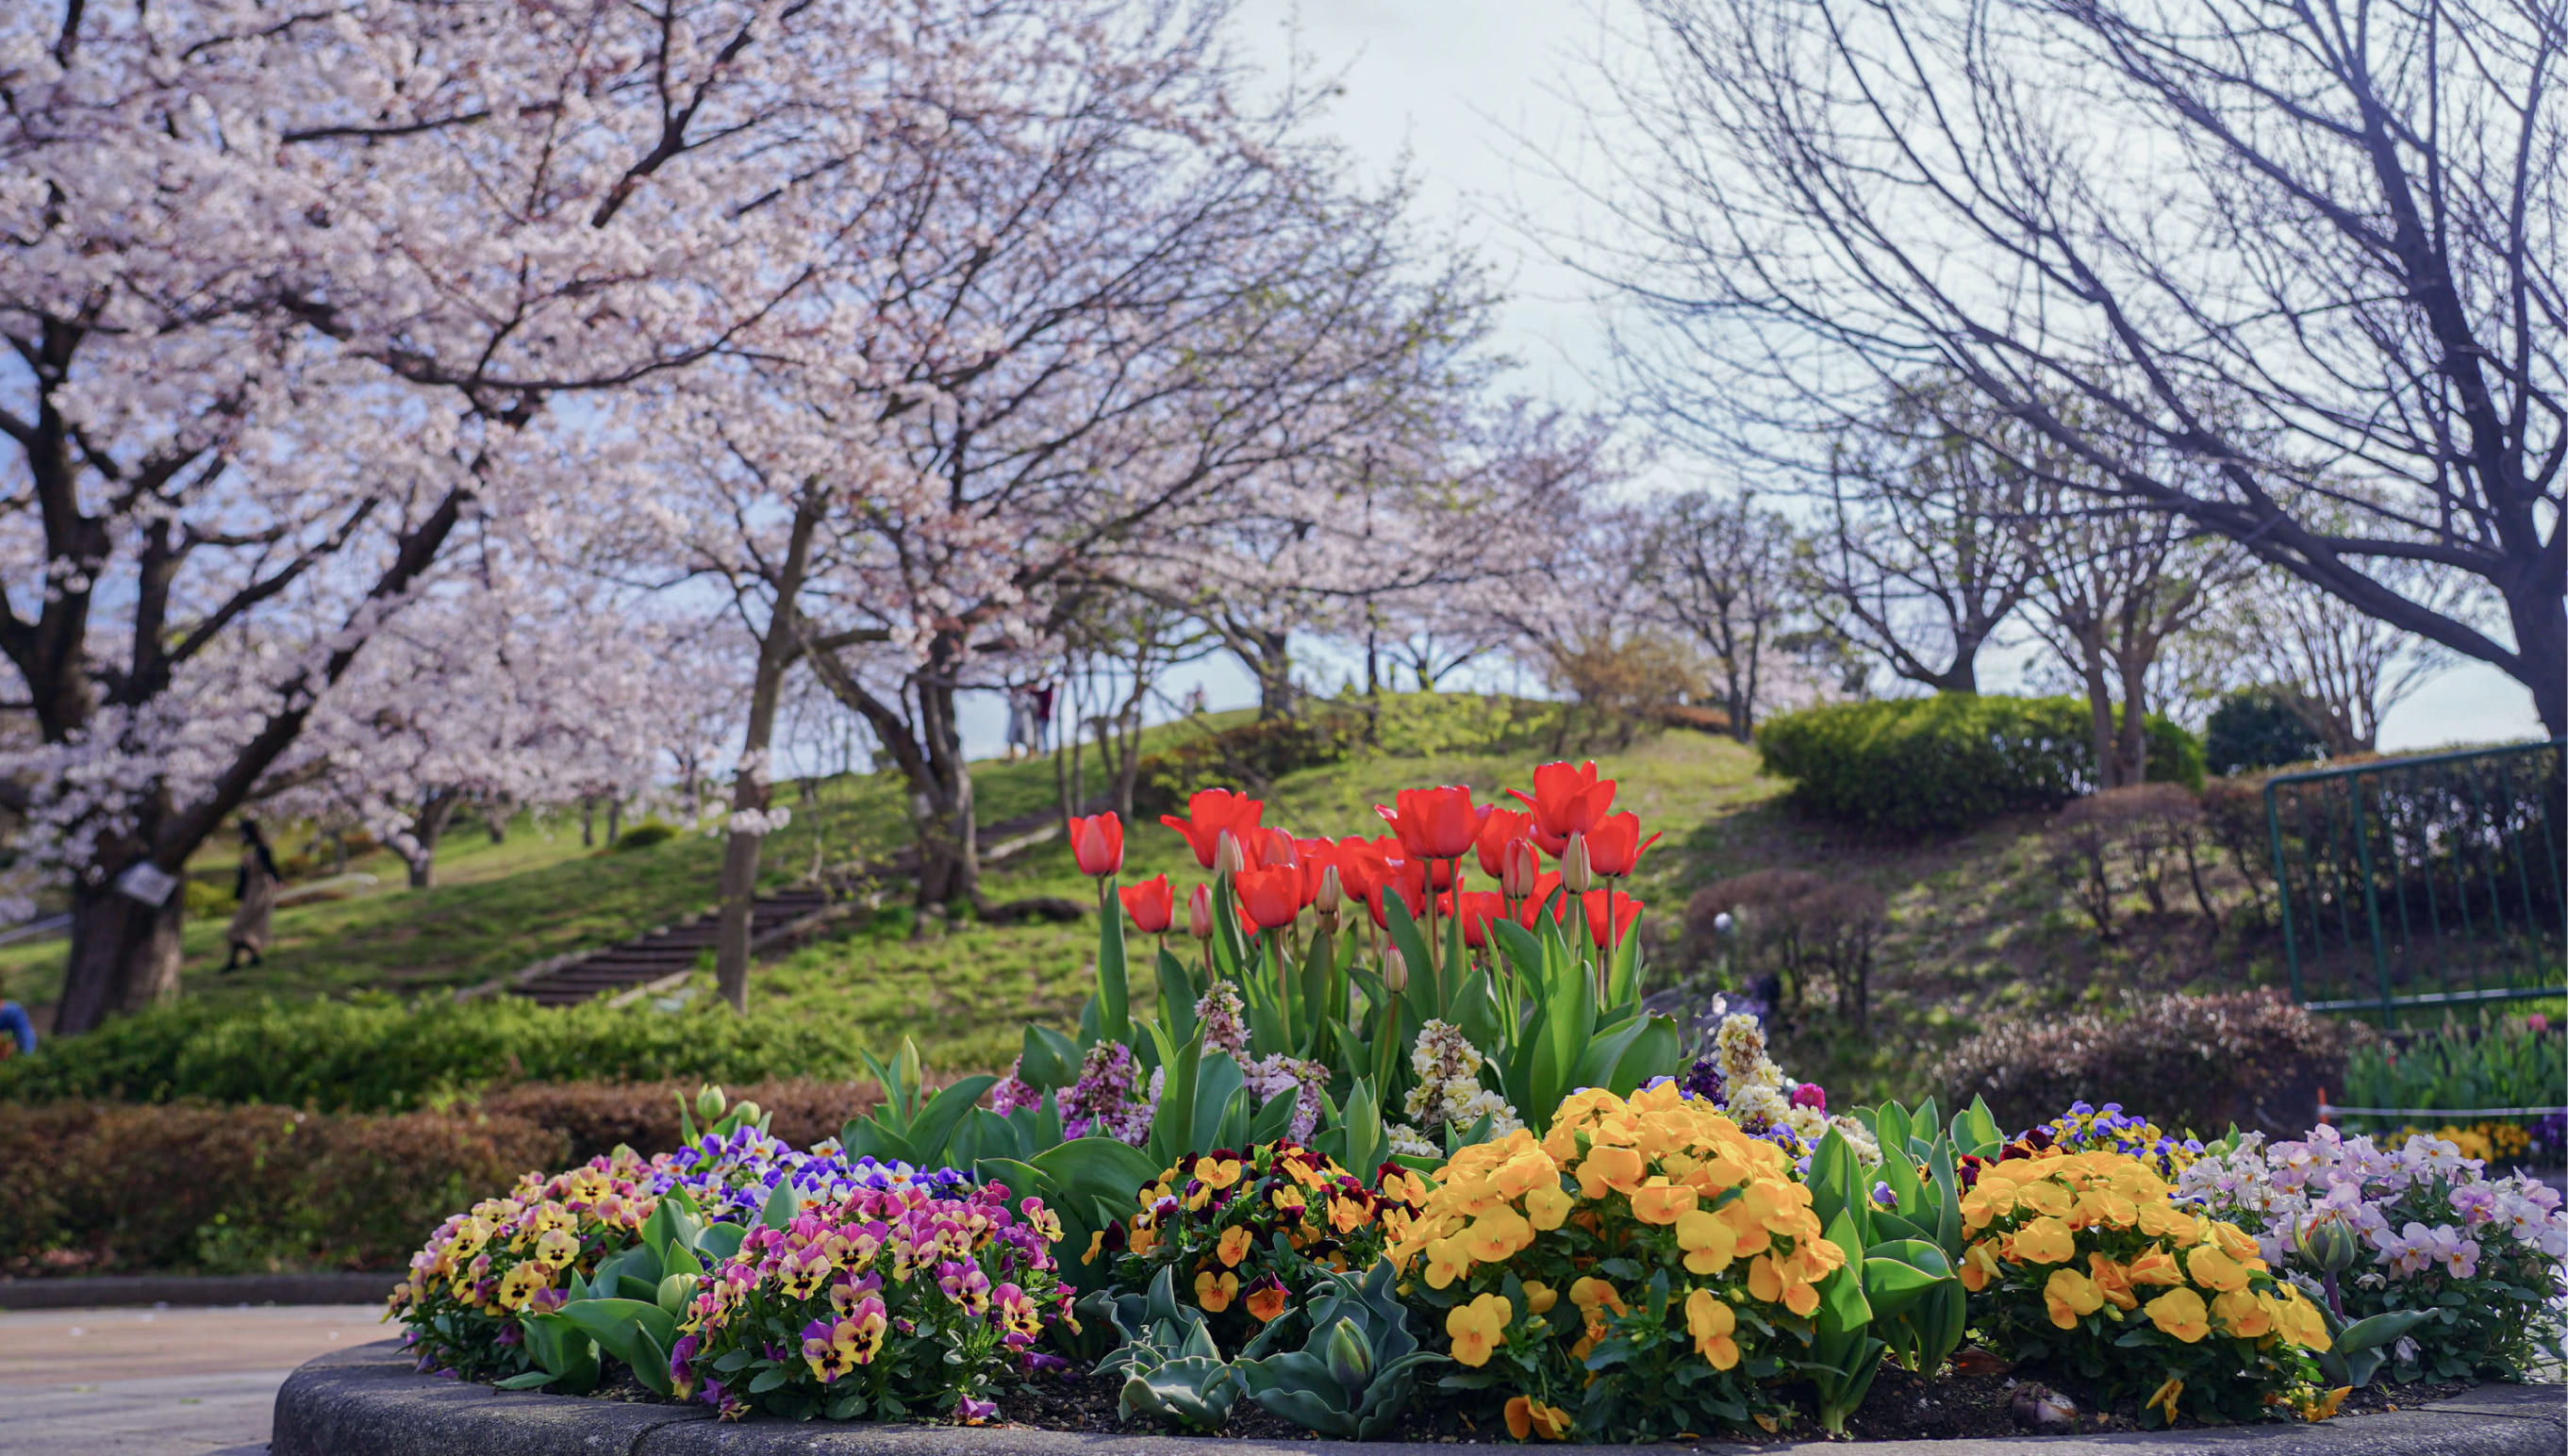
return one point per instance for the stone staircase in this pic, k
(663, 959)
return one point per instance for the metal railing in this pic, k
(2435, 881)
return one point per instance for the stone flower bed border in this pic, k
(368, 1401)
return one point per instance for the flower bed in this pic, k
(1381, 1152)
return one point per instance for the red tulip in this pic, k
(1565, 802)
(1199, 913)
(1360, 863)
(1317, 856)
(1433, 824)
(1478, 909)
(1411, 895)
(1271, 849)
(1097, 843)
(1626, 909)
(1269, 898)
(1210, 813)
(1151, 904)
(1615, 846)
(1519, 869)
(1498, 829)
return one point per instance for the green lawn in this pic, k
(1980, 924)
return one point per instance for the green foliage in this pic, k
(1433, 724)
(2254, 727)
(1912, 1248)
(2496, 1061)
(643, 836)
(209, 902)
(1171, 1369)
(1250, 754)
(1356, 1373)
(375, 1054)
(1926, 764)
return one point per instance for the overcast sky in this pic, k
(1464, 92)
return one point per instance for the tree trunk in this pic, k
(494, 820)
(2100, 715)
(2134, 738)
(941, 804)
(614, 819)
(776, 650)
(125, 956)
(426, 828)
(1963, 677)
(588, 822)
(2540, 619)
(1273, 664)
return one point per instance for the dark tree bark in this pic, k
(426, 827)
(780, 643)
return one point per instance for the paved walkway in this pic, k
(159, 1382)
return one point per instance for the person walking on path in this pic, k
(256, 891)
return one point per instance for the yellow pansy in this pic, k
(1479, 1328)
(2070, 1296)
(2179, 1312)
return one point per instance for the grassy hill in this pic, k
(1978, 923)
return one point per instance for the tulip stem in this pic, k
(1283, 983)
(1605, 963)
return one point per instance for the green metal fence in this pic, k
(2435, 881)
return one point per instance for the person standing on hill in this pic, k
(1039, 737)
(256, 891)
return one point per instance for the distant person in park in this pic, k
(17, 1031)
(1021, 709)
(1194, 699)
(256, 891)
(1039, 737)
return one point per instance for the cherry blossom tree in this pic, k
(496, 692)
(290, 297)
(1189, 311)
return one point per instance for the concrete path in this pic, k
(159, 1382)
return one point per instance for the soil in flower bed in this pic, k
(1899, 1407)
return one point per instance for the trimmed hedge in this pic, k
(103, 1188)
(595, 1116)
(2201, 1063)
(1922, 765)
(375, 1055)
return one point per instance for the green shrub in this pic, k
(1250, 756)
(1922, 765)
(643, 836)
(209, 902)
(96, 1188)
(2253, 727)
(376, 1055)
(2197, 1063)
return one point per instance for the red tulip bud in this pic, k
(1576, 875)
(1332, 893)
(1394, 969)
(1518, 868)
(1199, 913)
(1227, 856)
